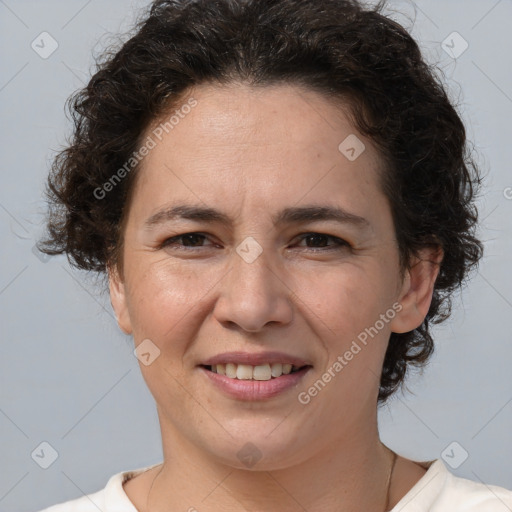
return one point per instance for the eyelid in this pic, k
(338, 242)
(168, 241)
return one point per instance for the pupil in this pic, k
(321, 239)
(192, 237)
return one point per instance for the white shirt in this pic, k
(438, 490)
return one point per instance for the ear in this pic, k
(417, 288)
(118, 300)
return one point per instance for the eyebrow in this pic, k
(291, 215)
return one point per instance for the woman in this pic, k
(281, 196)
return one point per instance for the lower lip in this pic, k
(255, 389)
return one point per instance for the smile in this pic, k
(254, 383)
(265, 371)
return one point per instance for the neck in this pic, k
(348, 475)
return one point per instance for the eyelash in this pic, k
(339, 243)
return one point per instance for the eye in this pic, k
(314, 242)
(190, 241)
(320, 242)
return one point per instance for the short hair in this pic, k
(352, 54)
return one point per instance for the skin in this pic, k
(250, 153)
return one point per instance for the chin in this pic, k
(253, 448)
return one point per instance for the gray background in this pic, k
(68, 375)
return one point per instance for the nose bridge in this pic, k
(253, 294)
(253, 265)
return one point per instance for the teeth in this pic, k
(247, 372)
(262, 372)
(276, 369)
(287, 368)
(244, 372)
(230, 370)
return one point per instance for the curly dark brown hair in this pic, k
(348, 52)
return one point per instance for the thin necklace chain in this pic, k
(152, 483)
(388, 483)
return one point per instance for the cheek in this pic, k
(169, 302)
(163, 296)
(163, 309)
(345, 299)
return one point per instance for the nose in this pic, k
(253, 295)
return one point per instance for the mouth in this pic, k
(260, 372)
(250, 383)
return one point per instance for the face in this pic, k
(253, 237)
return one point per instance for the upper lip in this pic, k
(255, 359)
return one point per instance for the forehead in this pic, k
(239, 115)
(257, 144)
